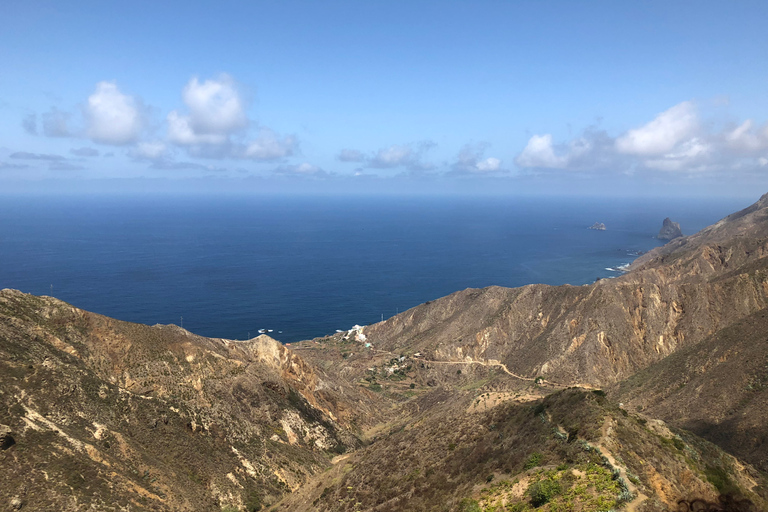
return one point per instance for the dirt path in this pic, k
(633, 505)
(639, 498)
(493, 362)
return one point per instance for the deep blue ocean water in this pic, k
(309, 266)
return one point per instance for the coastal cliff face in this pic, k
(479, 400)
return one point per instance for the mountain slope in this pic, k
(717, 388)
(116, 415)
(601, 333)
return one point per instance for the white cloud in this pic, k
(180, 131)
(692, 156)
(216, 110)
(489, 165)
(675, 142)
(113, 117)
(540, 153)
(663, 133)
(746, 138)
(470, 160)
(215, 106)
(268, 146)
(409, 156)
(393, 156)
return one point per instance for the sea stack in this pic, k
(599, 226)
(669, 230)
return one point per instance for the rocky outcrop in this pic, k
(669, 230)
(6, 439)
(598, 226)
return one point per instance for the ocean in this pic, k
(304, 267)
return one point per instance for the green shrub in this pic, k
(533, 461)
(253, 503)
(543, 491)
(469, 505)
(720, 479)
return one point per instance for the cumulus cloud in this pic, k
(661, 135)
(540, 153)
(113, 117)
(216, 110)
(470, 161)
(215, 106)
(180, 131)
(36, 156)
(675, 141)
(692, 156)
(56, 123)
(350, 155)
(84, 152)
(408, 156)
(29, 123)
(268, 146)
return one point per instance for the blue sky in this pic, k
(396, 97)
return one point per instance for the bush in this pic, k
(533, 461)
(253, 503)
(469, 505)
(543, 491)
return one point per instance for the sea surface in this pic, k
(304, 267)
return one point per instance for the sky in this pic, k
(454, 97)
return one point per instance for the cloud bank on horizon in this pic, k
(201, 125)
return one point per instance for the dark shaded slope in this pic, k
(717, 388)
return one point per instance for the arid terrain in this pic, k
(630, 393)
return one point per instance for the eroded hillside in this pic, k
(120, 416)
